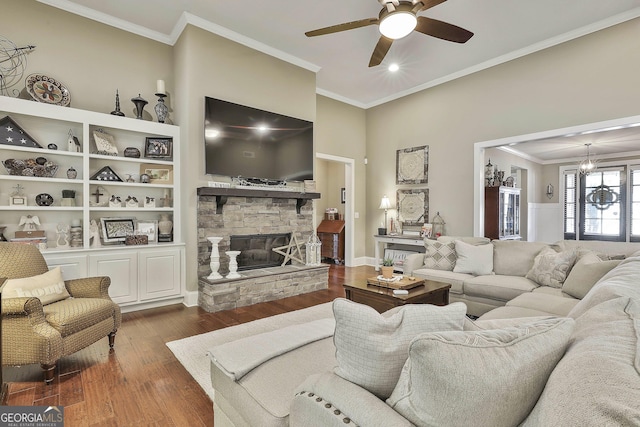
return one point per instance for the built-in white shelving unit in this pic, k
(142, 276)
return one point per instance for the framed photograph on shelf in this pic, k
(17, 201)
(412, 165)
(158, 174)
(158, 148)
(116, 229)
(148, 228)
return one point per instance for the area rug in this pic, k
(192, 352)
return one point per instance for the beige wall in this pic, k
(340, 131)
(91, 59)
(586, 80)
(210, 65)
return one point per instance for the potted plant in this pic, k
(387, 268)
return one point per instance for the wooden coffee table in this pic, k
(380, 296)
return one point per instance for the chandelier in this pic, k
(588, 165)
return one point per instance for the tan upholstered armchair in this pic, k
(37, 333)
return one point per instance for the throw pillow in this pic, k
(587, 271)
(479, 378)
(48, 287)
(440, 256)
(371, 349)
(550, 268)
(474, 259)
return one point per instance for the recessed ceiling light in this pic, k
(394, 67)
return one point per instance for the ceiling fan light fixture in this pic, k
(394, 67)
(398, 24)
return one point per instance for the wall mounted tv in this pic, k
(252, 143)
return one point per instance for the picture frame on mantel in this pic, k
(412, 165)
(413, 206)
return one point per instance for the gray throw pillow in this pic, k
(440, 256)
(371, 349)
(585, 273)
(550, 268)
(479, 378)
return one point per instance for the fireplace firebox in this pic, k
(256, 250)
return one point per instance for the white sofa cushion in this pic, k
(513, 257)
(439, 256)
(597, 382)
(48, 287)
(550, 268)
(585, 273)
(371, 348)
(454, 279)
(473, 259)
(479, 378)
(552, 304)
(497, 287)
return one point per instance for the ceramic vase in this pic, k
(233, 265)
(214, 262)
(165, 225)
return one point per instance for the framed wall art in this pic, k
(412, 165)
(116, 229)
(413, 205)
(158, 148)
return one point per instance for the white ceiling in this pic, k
(504, 30)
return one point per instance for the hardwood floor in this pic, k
(141, 383)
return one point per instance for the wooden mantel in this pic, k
(221, 195)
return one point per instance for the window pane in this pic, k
(635, 227)
(592, 226)
(571, 194)
(593, 179)
(570, 226)
(611, 178)
(611, 227)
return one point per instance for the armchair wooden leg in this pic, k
(112, 339)
(49, 371)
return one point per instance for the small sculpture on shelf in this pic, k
(62, 231)
(73, 144)
(139, 102)
(29, 222)
(117, 111)
(115, 202)
(131, 202)
(94, 234)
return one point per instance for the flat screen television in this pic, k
(246, 142)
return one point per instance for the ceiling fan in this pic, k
(397, 19)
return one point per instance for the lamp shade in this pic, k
(385, 203)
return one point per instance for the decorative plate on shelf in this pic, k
(44, 199)
(48, 90)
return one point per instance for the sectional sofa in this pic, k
(558, 354)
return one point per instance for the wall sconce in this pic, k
(549, 192)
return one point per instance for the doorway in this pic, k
(347, 164)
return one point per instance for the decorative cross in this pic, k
(18, 191)
(97, 194)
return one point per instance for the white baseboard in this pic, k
(190, 298)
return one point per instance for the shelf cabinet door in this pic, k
(159, 275)
(72, 266)
(122, 268)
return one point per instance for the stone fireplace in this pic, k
(256, 221)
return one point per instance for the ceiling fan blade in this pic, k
(442, 30)
(428, 4)
(380, 51)
(342, 27)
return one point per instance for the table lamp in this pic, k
(386, 205)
